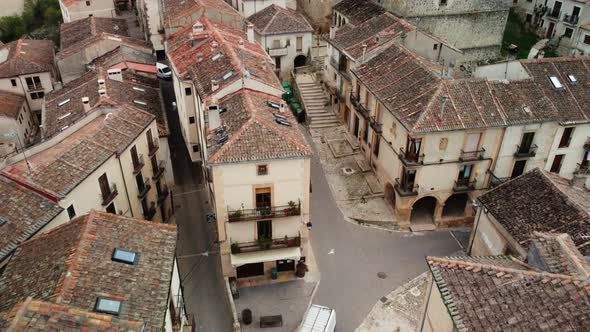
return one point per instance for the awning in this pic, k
(265, 256)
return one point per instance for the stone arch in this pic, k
(389, 194)
(300, 61)
(455, 205)
(423, 210)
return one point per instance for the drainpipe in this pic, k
(474, 233)
(430, 285)
(494, 161)
(125, 183)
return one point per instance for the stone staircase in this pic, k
(314, 101)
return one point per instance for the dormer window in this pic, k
(556, 82)
(216, 56)
(227, 75)
(108, 305)
(124, 256)
(526, 109)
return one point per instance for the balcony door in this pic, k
(526, 143)
(518, 168)
(103, 182)
(263, 198)
(472, 142)
(464, 175)
(264, 229)
(140, 182)
(413, 148)
(408, 179)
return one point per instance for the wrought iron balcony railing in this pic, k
(159, 170)
(108, 197)
(472, 155)
(525, 151)
(377, 126)
(265, 244)
(411, 159)
(150, 212)
(138, 164)
(464, 185)
(143, 190)
(405, 189)
(265, 213)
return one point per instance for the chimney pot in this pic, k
(250, 32)
(214, 85)
(198, 27)
(86, 103)
(333, 32)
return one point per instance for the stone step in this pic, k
(317, 111)
(318, 114)
(362, 162)
(326, 125)
(374, 185)
(422, 227)
(321, 122)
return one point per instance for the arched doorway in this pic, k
(390, 194)
(300, 60)
(423, 210)
(455, 205)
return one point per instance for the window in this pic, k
(37, 95)
(518, 168)
(464, 176)
(135, 157)
(196, 148)
(105, 190)
(188, 91)
(556, 82)
(262, 169)
(111, 208)
(443, 2)
(124, 256)
(299, 44)
(568, 33)
(587, 39)
(87, 3)
(71, 212)
(277, 62)
(556, 165)
(33, 83)
(13, 82)
(264, 229)
(566, 137)
(107, 306)
(435, 47)
(263, 197)
(191, 119)
(276, 43)
(376, 143)
(526, 143)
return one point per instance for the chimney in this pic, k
(102, 92)
(115, 74)
(214, 85)
(86, 104)
(282, 107)
(333, 32)
(214, 118)
(250, 32)
(450, 70)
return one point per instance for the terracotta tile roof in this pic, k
(77, 35)
(557, 253)
(358, 11)
(69, 3)
(544, 202)
(252, 132)
(274, 20)
(26, 56)
(182, 13)
(22, 214)
(412, 89)
(135, 91)
(72, 266)
(487, 297)
(351, 39)
(36, 315)
(215, 53)
(59, 168)
(10, 104)
(122, 54)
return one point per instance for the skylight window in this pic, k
(228, 75)
(572, 78)
(107, 306)
(556, 82)
(273, 104)
(216, 56)
(138, 89)
(139, 102)
(63, 102)
(526, 109)
(124, 256)
(64, 116)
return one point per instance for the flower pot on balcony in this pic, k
(264, 243)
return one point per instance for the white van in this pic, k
(163, 71)
(318, 319)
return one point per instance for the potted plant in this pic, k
(235, 215)
(265, 211)
(264, 243)
(301, 269)
(293, 209)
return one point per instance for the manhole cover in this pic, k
(382, 275)
(347, 170)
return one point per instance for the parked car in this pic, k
(318, 319)
(163, 71)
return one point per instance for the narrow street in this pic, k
(204, 291)
(350, 256)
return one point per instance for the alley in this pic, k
(197, 252)
(359, 265)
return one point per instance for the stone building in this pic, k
(318, 11)
(285, 35)
(536, 201)
(250, 7)
(18, 125)
(475, 27)
(545, 290)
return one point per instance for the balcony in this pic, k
(405, 189)
(143, 190)
(280, 51)
(293, 209)
(525, 151)
(570, 19)
(582, 169)
(554, 14)
(163, 194)
(138, 164)
(152, 148)
(496, 181)
(472, 155)
(150, 212)
(160, 170)
(354, 100)
(334, 63)
(265, 244)
(377, 126)
(464, 185)
(107, 198)
(410, 159)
